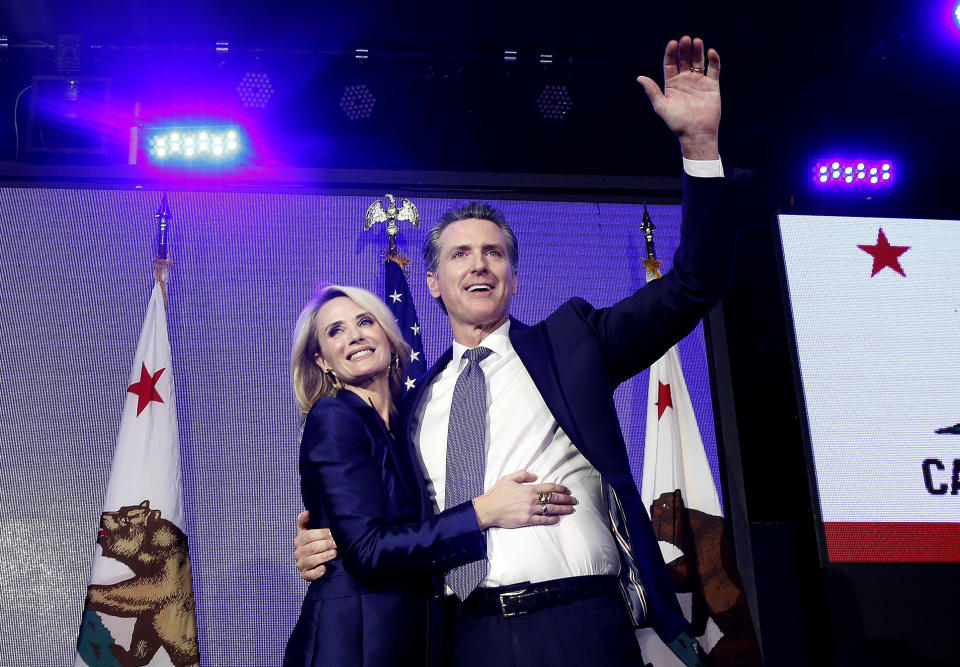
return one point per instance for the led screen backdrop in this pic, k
(77, 268)
(876, 313)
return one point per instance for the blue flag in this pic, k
(397, 295)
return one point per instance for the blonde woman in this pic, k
(359, 478)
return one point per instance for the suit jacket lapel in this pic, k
(534, 350)
(396, 445)
(533, 347)
(409, 406)
(407, 469)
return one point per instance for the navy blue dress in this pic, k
(371, 607)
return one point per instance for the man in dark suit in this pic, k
(554, 596)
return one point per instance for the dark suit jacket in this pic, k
(579, 354)
(371, 606)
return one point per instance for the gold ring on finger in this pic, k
(696, 69)
(543, 497)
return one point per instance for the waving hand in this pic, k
(690, 101)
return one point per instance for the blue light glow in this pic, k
(942, 19)
(855, 173)
(196, 145)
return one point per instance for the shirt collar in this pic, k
(498, 341)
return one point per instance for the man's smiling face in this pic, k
(474, 277)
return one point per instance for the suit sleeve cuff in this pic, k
(703, 168)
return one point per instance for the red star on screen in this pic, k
(885, 255)
(146, 388)
(663, 399)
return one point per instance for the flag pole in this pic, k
(396, 288)
(163, 217)
(376, 213)
(139, 607)
(678, 491)
(162, 264)
(651, 263)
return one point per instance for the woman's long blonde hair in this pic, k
(309, 380)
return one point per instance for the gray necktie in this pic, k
(466, 457)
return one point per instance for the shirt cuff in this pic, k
(703, 168)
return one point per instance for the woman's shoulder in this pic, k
(334, 407)
(327, 403)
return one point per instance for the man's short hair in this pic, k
(475, 209)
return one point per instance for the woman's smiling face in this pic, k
(352, 343)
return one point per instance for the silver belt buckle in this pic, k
(507, 598)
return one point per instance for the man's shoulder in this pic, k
(564, 322)
(575, 306)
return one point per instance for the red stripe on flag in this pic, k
(890, 542)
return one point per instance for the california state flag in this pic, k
(139, 607)
(678, 491)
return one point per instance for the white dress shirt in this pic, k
(522, 434)
(703, 168)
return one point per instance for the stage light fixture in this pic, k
(554, 101)
(193, 145)
(357, 102)
(68, 115)
(956, 15)
(255, 90)
(853, 172)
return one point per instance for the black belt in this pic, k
(520, 599)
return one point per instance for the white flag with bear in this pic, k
(678, 491)
(139, 607)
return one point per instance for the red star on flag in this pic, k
(146, 389)
(663, 399)
(884, 254)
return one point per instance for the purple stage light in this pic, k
(255, 90)
(193, 145)
(554, 101)
(357, 102)
(853, 173)
(943, 19)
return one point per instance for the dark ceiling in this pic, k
(799, 80)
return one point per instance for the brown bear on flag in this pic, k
(139, 607)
